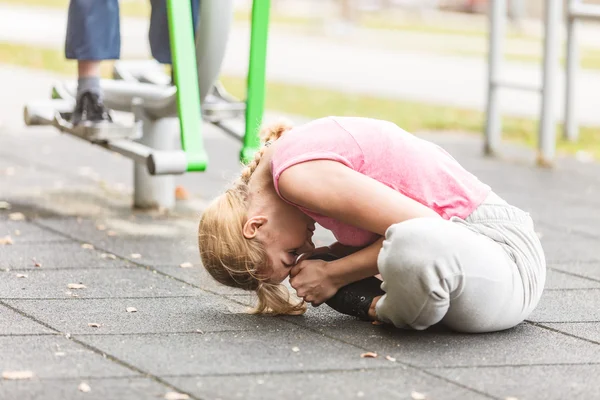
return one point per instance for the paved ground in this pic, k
(192, 336)
(405, 65)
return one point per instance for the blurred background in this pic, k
(419, 63)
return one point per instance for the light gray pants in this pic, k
(485, 273)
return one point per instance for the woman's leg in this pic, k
(440, 271)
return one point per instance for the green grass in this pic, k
(316, 102)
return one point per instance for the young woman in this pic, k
(447, 248)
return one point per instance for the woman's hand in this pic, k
(312, 282)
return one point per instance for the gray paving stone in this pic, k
(438, 347)
(396, 383)
(12, 323)
(158, 242)
(568, 306)
(586, 330)
(25, 232)
(198, 276)
(562, 246)
(234, 352)
(55, 256)
(114, 282)
(551, 382)
(204, 312)
(101, 389)
(587, 270)
(38, 354)
(560, 280)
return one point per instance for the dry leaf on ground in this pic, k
(60, 354)
(181, 193)
(76, 286)
(94, 325)
(87, 246)
(368, 354)
(6, 240)
(131, 309)
(186, 265)
(14, 375)
(16, 216)
(5, 205)
(36, 263)
(417, 396)
(295, 349)
(176, 396)
(390, 358)
(21, 275)
(135, 255)
(84, 387)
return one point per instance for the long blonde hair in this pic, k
(229, 257)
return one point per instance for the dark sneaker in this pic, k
(89, 108)
(354, 299)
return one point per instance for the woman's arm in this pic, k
(334, 190)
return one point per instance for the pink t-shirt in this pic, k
(381, 150)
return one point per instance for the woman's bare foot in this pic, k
(372, 312)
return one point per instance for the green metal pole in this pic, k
(255, 102)
(183, 53)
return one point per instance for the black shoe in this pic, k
(89, 108)
(356, 298)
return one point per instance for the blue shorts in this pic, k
(93, 30)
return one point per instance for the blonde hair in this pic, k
(229, 257)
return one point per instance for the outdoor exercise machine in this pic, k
(575, 11)
(163, 110)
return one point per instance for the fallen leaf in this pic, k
(390, 358)
(181, 193)
(110, 256)
(16, 216)
(21, 275)
(101, 227)
(76, 286)
(295, 349)
(186, 265)
(176, 396)
(200, 331)
(14, 375)
(87, 246)
(36, 263)
(84, 387)
(417, 396)
(111, 233)
(135, 255)
(60, 354)
(6, 240)
(68, 336)
(5, 205)
(369, 354)
(131, 309)
(94, 325)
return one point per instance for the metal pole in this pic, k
(497, 21)
(571, 129)
(547, 131)
(255, 102)
(155, 192)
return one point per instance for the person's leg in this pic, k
(93, 35)
(158, 34)
(441, 271)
